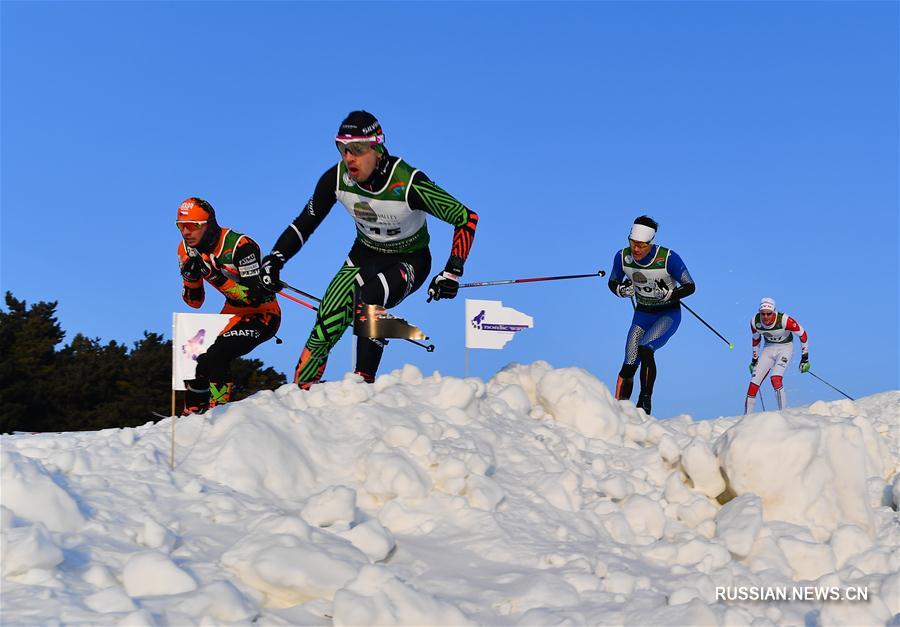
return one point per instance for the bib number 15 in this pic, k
(389, 232)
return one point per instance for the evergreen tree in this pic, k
(28, 337)
(147, 384)
(90, 375)
(250, 378)
(88, 385)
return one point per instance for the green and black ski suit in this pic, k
(389, 259)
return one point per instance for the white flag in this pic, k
(192, 335)
(491, 325)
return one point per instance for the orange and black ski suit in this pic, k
(231, 263)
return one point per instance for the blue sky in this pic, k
(762, 136)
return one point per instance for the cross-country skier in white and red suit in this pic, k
(777, 329)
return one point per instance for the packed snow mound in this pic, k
(532, 498)
(812, 470)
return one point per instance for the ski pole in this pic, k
(301, 292)
(829, 385)
(599, 273)
(730, 345)
(297, 300)
(429, 348)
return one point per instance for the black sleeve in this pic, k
(298, 232)
(246, 259)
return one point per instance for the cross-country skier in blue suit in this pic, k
(657, 279)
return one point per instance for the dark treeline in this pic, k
(86, 385)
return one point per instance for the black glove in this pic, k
(444, 285)
(270, 272)
(191, 269)
(804, 362)
(753, 363)
(210, 272)
(625, 290)
(255, 293)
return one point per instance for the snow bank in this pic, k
(377, 597)
(809, 470)
(29, 490)
(532, 498)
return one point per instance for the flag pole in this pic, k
(466, 337)
(172, 451)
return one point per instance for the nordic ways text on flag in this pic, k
(491, 325)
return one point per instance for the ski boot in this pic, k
(219, 394)
(644, 402)
(368, 378)
(196, 397)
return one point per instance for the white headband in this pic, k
(642, 233)
(767, 304)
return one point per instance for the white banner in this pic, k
(491, 325)
(192, 335)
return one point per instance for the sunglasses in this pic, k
(190, 227)
(354, 148)
(359, 145)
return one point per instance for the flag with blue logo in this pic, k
(491, 325)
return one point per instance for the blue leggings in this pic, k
(650, 329)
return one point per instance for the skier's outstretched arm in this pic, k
(299, 230)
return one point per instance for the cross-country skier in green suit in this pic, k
(388, 199)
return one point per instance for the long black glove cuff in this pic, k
(683, 291)
(454, 265)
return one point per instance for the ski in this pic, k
(374, 321)
(411, 338)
